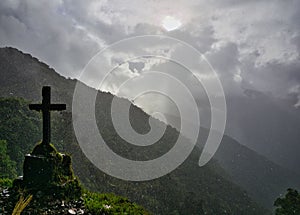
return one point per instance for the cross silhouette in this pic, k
(46, 107)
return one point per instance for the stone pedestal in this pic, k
(38, 171)
(49, 172)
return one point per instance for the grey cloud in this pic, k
(136, 66)
(255, 42)
(40, 29)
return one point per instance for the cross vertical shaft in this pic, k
(46, 93)
(46, 107)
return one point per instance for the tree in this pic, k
(288, 205)
(20, 127)
(7, 166)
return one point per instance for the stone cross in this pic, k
(46, 107)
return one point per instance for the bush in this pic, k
(7, 166)
(99, 204)
(6, 182)
(288, 205)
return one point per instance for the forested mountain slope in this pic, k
(187, 190)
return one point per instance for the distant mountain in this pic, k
(263, 179)
(184, 191)
(266, 124)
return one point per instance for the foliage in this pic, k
(110, 204)
(20, 127)
(288, 205)
(7, 166)
(6, 182)
(21, 205)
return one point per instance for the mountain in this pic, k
(263, 179)
(262, 122)
(273, 132)
(187, 190)
(23, 76)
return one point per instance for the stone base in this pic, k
(49, 172)
(38, 171)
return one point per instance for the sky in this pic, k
(251, 44)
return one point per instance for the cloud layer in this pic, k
(251, 44)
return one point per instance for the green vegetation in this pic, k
(90, 203)
(20, 127)
(6, 182)
(288, 205)
(110, 204)
(187, 190)
(7, 166)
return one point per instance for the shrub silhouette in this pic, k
(288, 205)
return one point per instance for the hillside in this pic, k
(274, 131)
(262, 179)
(183, 191)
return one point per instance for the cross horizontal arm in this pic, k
(37, 107)
(58, 107)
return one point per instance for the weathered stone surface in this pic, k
(47, 171)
